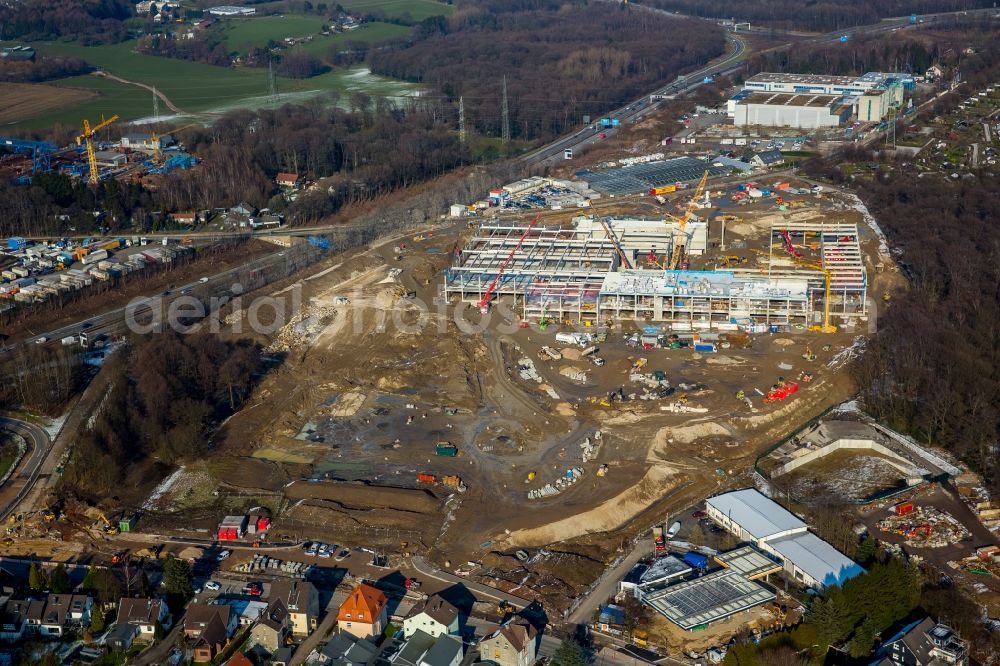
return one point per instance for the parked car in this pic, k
(224, 554)
(212, 585)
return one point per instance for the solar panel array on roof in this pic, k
(638, 178)
(708, 599)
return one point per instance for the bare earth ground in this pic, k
(24, 100)
(365, 392)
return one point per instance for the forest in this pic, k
(818, 16)
(165, 393)
(88, 21)
(561, 61)
(41, 69)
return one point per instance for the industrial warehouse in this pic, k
(595, 270)
(810, 101)
(754, 518)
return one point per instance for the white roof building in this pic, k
(763, 522)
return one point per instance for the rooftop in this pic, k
(755, 513)
(815, 79)
(702, 283)
(638, 178)
(667, 566)
(791, 99)
(710, 598)
(817, 558)
(749, 562)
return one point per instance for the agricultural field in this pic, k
(418, 10)
(369, 33)
(192, 87)
(258, 31)
(28, 100)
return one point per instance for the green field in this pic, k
(370, 33)
(199, 88)
(257, 31)
(417, 9)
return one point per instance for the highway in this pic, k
(113, 322)
(23, 477)
(641, 107)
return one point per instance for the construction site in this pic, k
(686, 270)
(95, 156)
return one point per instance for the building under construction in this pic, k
(600, 270)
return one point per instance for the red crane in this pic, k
(484, 305)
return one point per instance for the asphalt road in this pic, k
(21, 481)
(425, 568)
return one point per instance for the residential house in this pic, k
(247, 611)
(199, 615)
(187, 217)
(282, 656)
(434, 615)
(210, 641)
(513, 643)
(924, 643)
(287, 179)
(63, 611)
(244, 209)
(934, 72)
(20, 617)
(145, 614)
(273, 628)
(208, 627)
(302, 601)
(446, 651)
(413, 649)
(239, 659)
(347, 650)
(121, 637)
(767, 158)
(364, 612)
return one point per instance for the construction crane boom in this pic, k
(157, 157)
(484, 304)
(678, 253)
(614, 241)
(87, 139)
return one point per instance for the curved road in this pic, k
(23, 478)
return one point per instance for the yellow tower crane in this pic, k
(157, 155)
(678, 254)
(827, 327)
(87, 138)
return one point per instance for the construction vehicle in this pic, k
(731, 259)
(484, 304)
(505, 608)
(809, 355)
(678, 253)
(87, 139)
(119, 556)
(543, 323)
(109, 527)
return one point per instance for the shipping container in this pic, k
(95, 257)
(424, 477)
(446, 450)
(903, 508)
(663, 189)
